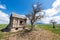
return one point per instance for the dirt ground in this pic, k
(38, 34)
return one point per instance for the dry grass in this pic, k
(40, 34)
(37, 34)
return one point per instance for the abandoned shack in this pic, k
(17, 22)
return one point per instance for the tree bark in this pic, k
(53, 25)
(32, 25)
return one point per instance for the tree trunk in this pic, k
(32, 26)
(53, 25)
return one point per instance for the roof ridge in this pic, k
(18, 16)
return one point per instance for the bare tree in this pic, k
(32, 16)
(53, 23)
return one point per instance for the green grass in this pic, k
(50, 28)
(2, 26)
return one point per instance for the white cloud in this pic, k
(57, 18)
(35, 5)
(54, 10)
(56, 3)
(39, 13)
(2, 6)
(51, 12)
(4, 18)
(28, 21)
(47, 20)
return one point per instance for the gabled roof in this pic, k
(18, 16)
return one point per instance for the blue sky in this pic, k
(24, 6)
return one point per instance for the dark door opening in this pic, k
(16, 28)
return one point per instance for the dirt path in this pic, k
(38, 34)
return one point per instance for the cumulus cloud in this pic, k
(49, 13)
(2, 6)
(56, 3)
(4, 18)
(47, 20)
(54, 10)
